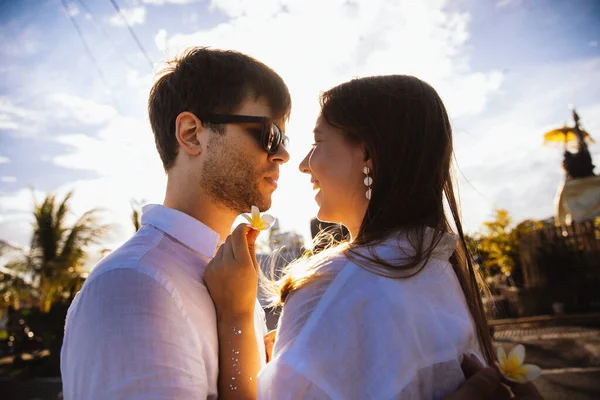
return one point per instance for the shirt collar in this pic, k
(400, 246)
(403, 243)
(186, 229)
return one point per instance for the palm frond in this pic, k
(58, 252)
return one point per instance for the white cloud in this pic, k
(7, 123)
(14, 117)
(160, 39)
(24, 43)
(316, 44)
(133, 16)
(8, 179)
(507, 3)
(367, 38)
(7, 107)
(69, 107)
(16, 216)
(4, 160)
(121, 152)
(124, 155)
(501, 152)
(23, 47)
(72, 10)
(163, 2)
(138, 81)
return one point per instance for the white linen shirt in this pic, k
(353, 334)
(143, 325)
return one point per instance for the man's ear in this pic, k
(188, 129)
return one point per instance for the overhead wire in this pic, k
(104, 33)
(88, 50)
(133, 34)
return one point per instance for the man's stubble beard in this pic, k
(230, 178)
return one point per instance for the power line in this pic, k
(474, 189)
(88, 50)
(104, 33)
(133, 35)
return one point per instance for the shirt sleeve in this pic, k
(126, 338)
(280, 381)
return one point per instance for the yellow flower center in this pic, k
(512, 368)
(257, 221)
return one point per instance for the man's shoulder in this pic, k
(131, 254)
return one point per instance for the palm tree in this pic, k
(136, 214)
(14, 287)
(59, 252)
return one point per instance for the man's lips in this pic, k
(316, 185)
(272, 180)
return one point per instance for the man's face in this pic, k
(237, 172)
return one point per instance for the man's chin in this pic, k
(263, 205)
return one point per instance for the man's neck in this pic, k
(205, 210)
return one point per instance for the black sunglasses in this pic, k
(270, 136)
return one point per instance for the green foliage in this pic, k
(58, 252)
(136, 214)
(499, 245)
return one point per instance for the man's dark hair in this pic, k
(206, 81)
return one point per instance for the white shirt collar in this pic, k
(186, 229)
(399, 246)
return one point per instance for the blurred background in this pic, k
(520, 79)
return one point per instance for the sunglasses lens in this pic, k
(272, 138)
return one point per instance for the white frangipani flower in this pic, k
(257, 221)
(512, 366)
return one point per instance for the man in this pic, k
(144, 325)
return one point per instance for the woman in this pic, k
(389, 313)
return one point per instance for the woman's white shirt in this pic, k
(354, 334)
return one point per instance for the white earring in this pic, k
(368, 182)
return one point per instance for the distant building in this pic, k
(338, 233)
(284, 247)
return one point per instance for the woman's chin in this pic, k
(325, 212)
(323, 215)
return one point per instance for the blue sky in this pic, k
(506, 69)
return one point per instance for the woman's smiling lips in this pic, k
(315, 183)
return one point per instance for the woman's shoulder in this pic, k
(329, 258)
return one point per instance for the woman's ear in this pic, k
(187, 131)
(367, 158)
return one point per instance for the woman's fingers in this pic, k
(229, 248)
(240, 244)
(219, 253)
(251, 237)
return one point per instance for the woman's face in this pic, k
(336, 169)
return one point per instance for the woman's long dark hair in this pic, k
(404, 128)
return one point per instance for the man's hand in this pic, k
(525, 391)
(482, 383)
(487, 383)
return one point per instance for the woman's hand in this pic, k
(232, 275)
(269, 343)
(232, 280)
